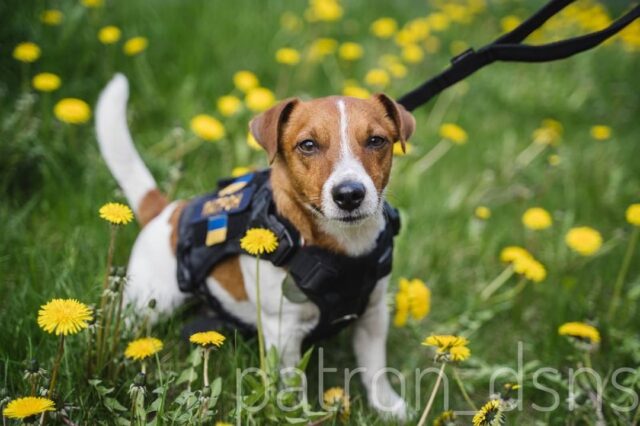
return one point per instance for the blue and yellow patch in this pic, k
(216, 229)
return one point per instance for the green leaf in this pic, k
(304, 361)
(113, 405)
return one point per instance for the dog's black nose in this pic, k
(348, 195)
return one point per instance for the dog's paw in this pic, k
(389, 404)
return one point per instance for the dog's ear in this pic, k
(404, 121)
(267, 127)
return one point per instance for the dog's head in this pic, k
(335, 151)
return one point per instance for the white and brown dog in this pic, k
(331, 160)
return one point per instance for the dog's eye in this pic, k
(307, 147)
(376, 142)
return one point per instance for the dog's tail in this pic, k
(120, 154)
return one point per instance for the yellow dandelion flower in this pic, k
(419, 298)
(377, 77)
(260, 99)
(397, 149)
(459, 353)
(324, 10)
(509, 23)
(489, 415)
(445, 418)
(287, 56)
(633, 214)
(554, 159)
(207, 338)
(536, 218)
(432, 44)
(245, 80)
(22, 408)
(291, 22)
(253, 143)
(229, 105)
(352, 89)
(512, 253)
(444, 342)
(549, 133)
(397, 70)
(384, 27)
(580, 331)
(64, 316)
(448, 347)
(223, 424)
(51, 17)
(46, 82)
(322, 47)
(350, 51)
(336, 398)
(207, 127)
(258, 241)
(241, 171)
(600, 132)
(26, 52)
(116, 213)
(530, 268)
(438, 21)
(109, 34)
(402, 309)
(454, 133)
(584, 240)
(145, 347)
(482, 212)
(92, 3)
(135, 45)
(72, 111)
(412, 53)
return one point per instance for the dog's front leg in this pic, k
(285, 324)
(370, 339)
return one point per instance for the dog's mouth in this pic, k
(351, 219)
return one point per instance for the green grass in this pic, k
(53, 181)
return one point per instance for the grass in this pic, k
(53, 181)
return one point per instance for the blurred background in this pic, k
(561, 136)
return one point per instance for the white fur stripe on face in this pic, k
(345, 150)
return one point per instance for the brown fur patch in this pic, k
(151, 205)
(174, 221)
(228, 274)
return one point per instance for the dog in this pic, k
(330, 164)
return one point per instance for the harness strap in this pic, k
(508, 48)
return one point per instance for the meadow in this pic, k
(561, 138)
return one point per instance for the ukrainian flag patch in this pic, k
(216, 229)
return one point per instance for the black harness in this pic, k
(210, 230)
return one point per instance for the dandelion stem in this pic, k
(456, 376)
(56, 367)
(432, 397)
(103, 301)
(259, 319)
(205, 369)
(497, 283)
(116, 330)
(513, 292)
(624, 268)
(431, 157)
(528, 155)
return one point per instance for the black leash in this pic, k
(509, 48)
